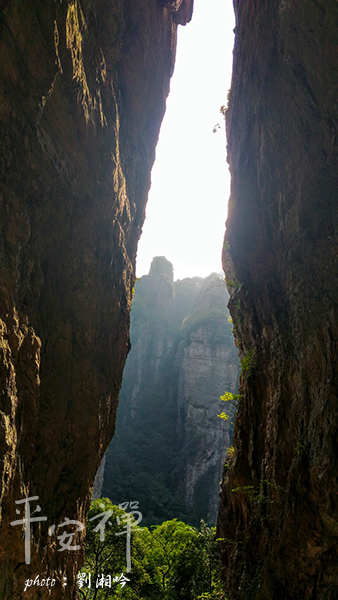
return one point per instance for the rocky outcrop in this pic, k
(169, 447)
(279, 503)
(83, 89)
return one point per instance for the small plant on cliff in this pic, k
(230, 456)
(229, 541)
(248, 490)
(224, 416)
(224, 107)
(232, 283)
(223, 110)
(237, 305)
(231, 452)
(133, 288)
(299, 449)
(262, 493)
(228, 397)
(247, 363)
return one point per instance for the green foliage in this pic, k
(224, 416)
(229, 541)
(172, 542)
(216, 319)
(147, 457)
(140, 464)
(247, 364)
(262, 493)
(172, 562)
(237, 305)
(299, 449)
(106, 557)
(249, 490)
(230, 456)
(229, 397)
(232, 283)
(231, 452)
(133, 288)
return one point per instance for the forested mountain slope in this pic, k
(169, 446)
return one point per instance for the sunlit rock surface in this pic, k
(83, 88)
(279, 509)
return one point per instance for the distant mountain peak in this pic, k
(162, 268)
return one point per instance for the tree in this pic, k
(173, 562)
(105, 552)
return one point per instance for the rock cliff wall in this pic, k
(169, 447)
(279, 506)
(207, 365)
(83, 89)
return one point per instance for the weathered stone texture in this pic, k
(83, 89)
(281, 260)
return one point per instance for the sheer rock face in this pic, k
(207, 367)
(83, 89)
(279, 508)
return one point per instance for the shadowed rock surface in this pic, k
(279, 509)
(83, 89)
(169, 447)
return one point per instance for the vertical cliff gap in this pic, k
(83, 86)
(279, 508)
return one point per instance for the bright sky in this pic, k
(187, 204)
